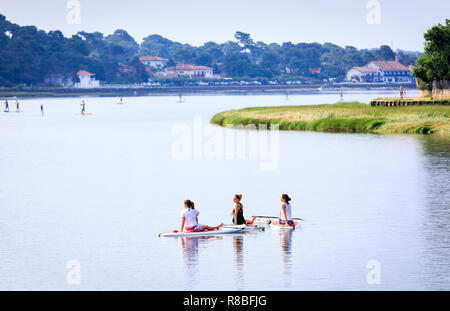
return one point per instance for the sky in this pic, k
(359, 23)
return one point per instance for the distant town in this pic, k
(93, 60)
(376, 72)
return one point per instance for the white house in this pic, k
(382, 72)
(87, 80)
(392, 72)
(154, 61)
(362, 74)
(191, 70)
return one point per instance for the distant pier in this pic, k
(394, 102)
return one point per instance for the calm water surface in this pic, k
(98, 189)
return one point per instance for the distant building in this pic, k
(201, 72)
(87, 80)
(382, 72)
(363, 74)
(154, 61)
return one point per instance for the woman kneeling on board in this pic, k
(189, 219)
(286, 212)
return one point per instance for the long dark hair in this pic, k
(189, 204)
(286, 198)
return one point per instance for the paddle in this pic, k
(270, 217)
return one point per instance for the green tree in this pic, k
(236, 65)
(433, 65)
(244, 39)
(184, 54)
(385, 53)
(156, 45)
(122, 45)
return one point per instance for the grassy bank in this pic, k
(351, 117)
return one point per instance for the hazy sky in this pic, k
(343, 22)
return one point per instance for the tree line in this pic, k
(31, 56)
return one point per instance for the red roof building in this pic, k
(190, 67)
(149, 58)
(390, 65)
(192, 71)
(85, 73)
(381, 71)
(154, 61)
(87, 80)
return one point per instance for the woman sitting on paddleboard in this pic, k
(238, 211)
(286, 212)
(189, 219)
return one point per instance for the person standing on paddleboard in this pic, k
(402, 91)
(238, 211)
(42, 109)
(189, 219)
(286, 212)
(17, 106)
(6, 106)
(83, 107)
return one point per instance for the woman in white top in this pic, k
(286, 211)
(189, 219)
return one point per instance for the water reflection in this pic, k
(286, 255)
(238, 247)
(190, 247)
(436, 224)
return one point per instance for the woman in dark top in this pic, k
(238, 212)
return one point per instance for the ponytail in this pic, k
(286, 198)
(189, 204)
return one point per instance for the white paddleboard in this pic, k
(174, 234)
(245, 227)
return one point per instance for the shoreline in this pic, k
(33, 92)
(344, 117)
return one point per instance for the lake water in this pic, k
(96, 190)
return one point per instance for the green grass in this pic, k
(351, 117)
